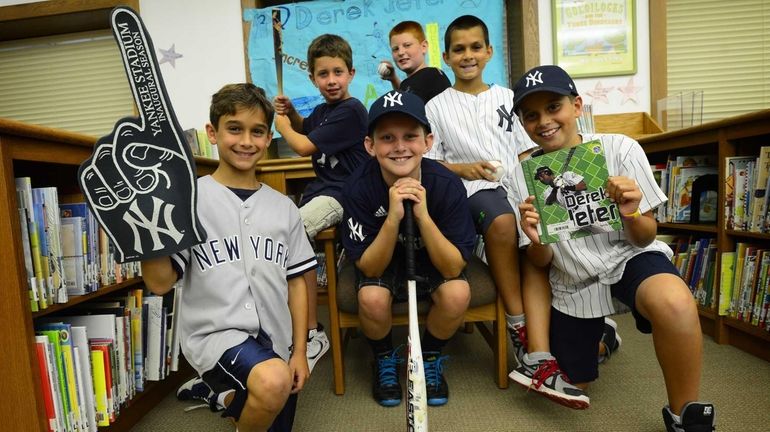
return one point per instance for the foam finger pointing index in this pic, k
(141, 67)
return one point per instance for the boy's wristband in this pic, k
(631, 216)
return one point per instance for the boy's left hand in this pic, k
(625, 193)
(407, 188)
(300, 371)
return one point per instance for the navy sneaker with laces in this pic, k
(197, 389)
(386, 389)
(436, 386)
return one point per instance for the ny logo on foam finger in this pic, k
(144, 169)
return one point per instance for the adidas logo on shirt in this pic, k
(381, 212)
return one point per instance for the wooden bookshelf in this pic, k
(51, 156)
(736, 136)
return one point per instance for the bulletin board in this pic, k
(365, 24)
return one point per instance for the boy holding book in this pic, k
(399, 135)
(475, 128)
(244, 305)
(333, 135)
(588, 272)
(408, 47)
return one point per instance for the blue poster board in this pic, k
(365, 24)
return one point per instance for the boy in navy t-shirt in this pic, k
(333, 135)
(399, 135)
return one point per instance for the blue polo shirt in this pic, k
(338, 131)
(366, 203)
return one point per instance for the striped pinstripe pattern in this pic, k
(470, 128)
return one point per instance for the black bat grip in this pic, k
(409, 240)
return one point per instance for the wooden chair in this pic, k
(485, 306)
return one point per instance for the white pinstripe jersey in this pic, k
(471, 128)
(583, 269)
(235, 283)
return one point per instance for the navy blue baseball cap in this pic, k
(543, 78)
(395, 101)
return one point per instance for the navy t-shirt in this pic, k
(366, 205)
(338, 131)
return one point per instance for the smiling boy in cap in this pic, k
(629, 266)
(398, 136)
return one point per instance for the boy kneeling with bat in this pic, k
(373, 201)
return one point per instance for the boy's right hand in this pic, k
(386, 70)
(283, 105)
(481, 170)
(530, 219)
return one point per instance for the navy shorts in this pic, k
(486, 205)
(575, 341)
(394, 277)
(232, 373)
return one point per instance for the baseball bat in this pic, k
(278, 48)
(417, 397)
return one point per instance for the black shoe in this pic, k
(437, 388)
(386, 389)
(695, 417)
(610, 338)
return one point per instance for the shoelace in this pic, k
(520, 336)
(211, 403)
(434, 370)
(387, 369)
(546, 369)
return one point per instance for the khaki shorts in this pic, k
(320, 213)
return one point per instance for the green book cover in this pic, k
(569, 189)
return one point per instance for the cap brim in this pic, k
(373, 121)
(558, 90)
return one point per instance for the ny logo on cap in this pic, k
(391, 99)
(535, 78)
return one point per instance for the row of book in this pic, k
(92, 363)
(200, 145)
(747, 180)
(690, 184)
(744, 277)
(66, 253)
(745, 287)
(696, 261)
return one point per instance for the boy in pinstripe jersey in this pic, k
(588, 273)
(473, 124)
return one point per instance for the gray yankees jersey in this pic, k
(236, 282)
(470, 128)
(583, 269)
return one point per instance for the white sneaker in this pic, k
(547, 378)
(317, 345)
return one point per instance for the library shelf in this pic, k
(688, 227)
(736, 136)
(52, 157)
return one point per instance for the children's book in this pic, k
(569, 189)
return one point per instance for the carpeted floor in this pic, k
(628, 396)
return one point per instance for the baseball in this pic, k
(384, 70)
(499, 170)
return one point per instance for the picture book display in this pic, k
(570, 196)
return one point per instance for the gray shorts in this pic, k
(486, 205)
(320, 213)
